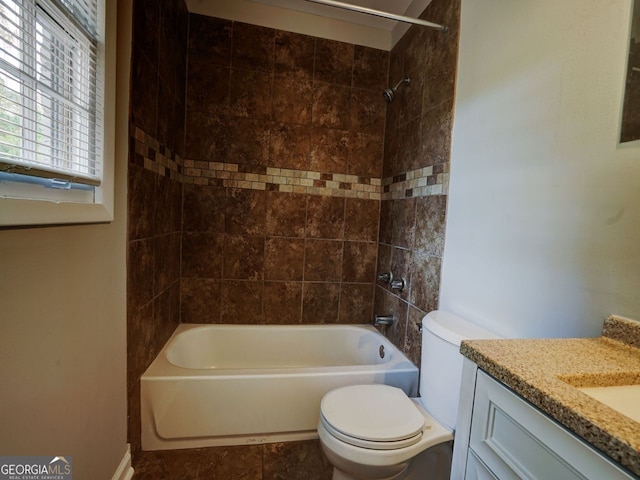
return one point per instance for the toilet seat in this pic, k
(370, 444)
(377, 417)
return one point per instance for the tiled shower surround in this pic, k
(417, 136)
(158, 83)
(282, 177)
(269, 181)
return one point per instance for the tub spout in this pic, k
(384, 320)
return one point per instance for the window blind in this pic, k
(51, 89)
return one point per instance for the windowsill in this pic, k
(14, 212)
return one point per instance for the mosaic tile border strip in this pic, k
(281, 180)
(422, 182)
(147, 152)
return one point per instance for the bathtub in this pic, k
(214, 385)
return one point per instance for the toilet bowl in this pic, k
(380, 449)
(376, 432)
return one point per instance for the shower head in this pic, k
(389, 93)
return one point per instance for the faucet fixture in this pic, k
(398, 284)
(386, 277)
(384, 320)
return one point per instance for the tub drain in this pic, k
(381, 350)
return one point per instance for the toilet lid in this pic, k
(373, 413)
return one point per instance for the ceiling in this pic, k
(302, 16)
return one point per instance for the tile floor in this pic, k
(276, 461)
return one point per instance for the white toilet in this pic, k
(376, 432)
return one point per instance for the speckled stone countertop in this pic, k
(546, 371)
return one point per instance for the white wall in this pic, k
(63, 331)
(543, 229)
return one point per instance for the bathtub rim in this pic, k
(161, 367)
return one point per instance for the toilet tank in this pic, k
(441, 362)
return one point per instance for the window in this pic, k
(52, 61)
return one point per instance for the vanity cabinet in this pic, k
(501, 436)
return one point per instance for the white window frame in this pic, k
(24, 212)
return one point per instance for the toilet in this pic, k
(376, 432)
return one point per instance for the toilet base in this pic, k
(432, 464)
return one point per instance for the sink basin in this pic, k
(624, 399)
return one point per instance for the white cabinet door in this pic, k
(476, 470)
(517, 441)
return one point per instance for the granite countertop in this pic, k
(546, 371)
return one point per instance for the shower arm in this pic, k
(406, 80)
(379, 13)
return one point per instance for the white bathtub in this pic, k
(217, 385)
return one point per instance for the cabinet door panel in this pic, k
(476, 470)
(515, 440)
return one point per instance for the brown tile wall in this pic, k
(630, 129)
(155, 187)
(416, 169)
(271, 257)
(283, 167)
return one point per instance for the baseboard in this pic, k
(125, 470)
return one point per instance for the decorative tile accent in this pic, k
(252, 177)
(148, 153)
(417, 183)
(422, 182)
